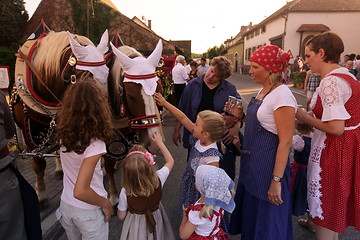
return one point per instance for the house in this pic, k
(234, 49)
(142, 22)
(296, 22)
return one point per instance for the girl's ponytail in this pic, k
(206, 211)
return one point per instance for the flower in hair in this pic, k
(147, 155)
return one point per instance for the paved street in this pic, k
(53, 230)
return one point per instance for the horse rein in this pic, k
(33, 70)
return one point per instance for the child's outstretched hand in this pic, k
(157, 138)
(160, 100)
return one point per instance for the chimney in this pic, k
(149, 24)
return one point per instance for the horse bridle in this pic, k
(144, 122)
(71, 71)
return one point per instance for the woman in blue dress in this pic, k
(263, 199)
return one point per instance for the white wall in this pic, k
(344, 24)
(274, 28)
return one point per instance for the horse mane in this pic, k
(50, 51)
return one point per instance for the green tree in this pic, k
(13, 18)
(213, 52)
(99, 18)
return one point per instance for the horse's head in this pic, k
(50, 57)
(90, 58)
(140, 82)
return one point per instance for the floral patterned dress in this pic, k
(188, 192)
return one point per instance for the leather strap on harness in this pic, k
(33, 70)
(140, 77)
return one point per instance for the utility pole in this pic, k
(87, 18)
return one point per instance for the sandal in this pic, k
(305, 223)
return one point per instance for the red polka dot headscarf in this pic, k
(271, 57)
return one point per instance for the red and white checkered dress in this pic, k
(334, 163)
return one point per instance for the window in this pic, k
(263, 28)
(257, 31)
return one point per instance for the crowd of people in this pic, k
(352, 63)
(322, 181)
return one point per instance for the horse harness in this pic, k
(148, 121)
(38, 133)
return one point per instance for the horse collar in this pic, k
(144, 122)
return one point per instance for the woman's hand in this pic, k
(237, 111)
(274, 193)
(301, 115)
(160, 100)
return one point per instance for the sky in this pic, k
(206, 23)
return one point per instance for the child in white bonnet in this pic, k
(202, 219)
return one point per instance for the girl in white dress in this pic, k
(139, 200)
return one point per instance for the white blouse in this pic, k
(279, 97)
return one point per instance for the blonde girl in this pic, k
(84, 125)
(201, 220)
(208, 129)
(139, 200)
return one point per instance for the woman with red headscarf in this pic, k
(263, 205)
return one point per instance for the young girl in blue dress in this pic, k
(208, 129)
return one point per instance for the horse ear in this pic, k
(155, 56)
(79, 51)
(103, 45)
(125, 61)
